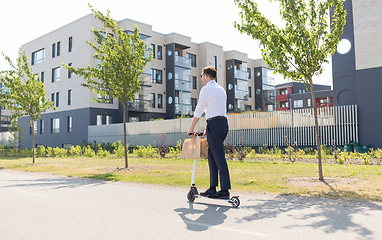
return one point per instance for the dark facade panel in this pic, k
(170, 81)
(230, 85)
(259, 72)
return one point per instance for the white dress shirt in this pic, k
(212, 101)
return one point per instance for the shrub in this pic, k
(75, 151)
(151, 151)
(49, 152)
(88, 152)
(102, 153)
(264, 149)
(177, 150)
(25, 152)
(60, 152)
(119, 149)
(252, 154)
(140, 151)
(309, 151)
(40, 151)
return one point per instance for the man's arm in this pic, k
(194, 122)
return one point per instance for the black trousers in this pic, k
(217, 130)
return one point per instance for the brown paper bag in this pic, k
(194, 148)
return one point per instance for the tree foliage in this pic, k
(122, 56)
(298, 50)
(25, 93)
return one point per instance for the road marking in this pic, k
(224, 228)
(34, 194)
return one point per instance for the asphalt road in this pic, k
(40, 206)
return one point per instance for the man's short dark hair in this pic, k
(209, 71)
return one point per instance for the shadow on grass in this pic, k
(105, 176)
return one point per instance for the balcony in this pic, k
(182, 85)
(182, 62)
(321, 105)
(145, 80)
(239, 94)
(283, 97)
(186, 110)
(282, 109)
(241, 74)
(139, 105)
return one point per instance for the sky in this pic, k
(203, 20)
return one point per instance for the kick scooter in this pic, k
(193, 193)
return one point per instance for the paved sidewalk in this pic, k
(41, 206)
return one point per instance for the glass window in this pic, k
(308, 102)
(153, 49)
(53, 50)
(55, 125)
(70, 123)
(70, 97)
(216, 62)
(69, 73)
(156, 76)
(70, 47)
(57, 99)
(160, 52)
(56, 74)
(108, 119)
(42, 126)
(35, 127)
(249, 92)
(249, 73)
(58, 48)
(194, 82)
(193, 103)
(193, 59)
(42, 77)
(298, 103)
(99, 119)
(52, 98)
(153, 100)
(38, 56)
(160, 101)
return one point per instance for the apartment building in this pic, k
(295, 95)
(170, 84)
(357, 68)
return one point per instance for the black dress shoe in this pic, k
(220, 195)
(207, 193)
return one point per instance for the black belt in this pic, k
(217, 117)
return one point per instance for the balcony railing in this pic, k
(139, 105)
(282, 109)
(241, 74)
(183, 85)
(145, 80)
(186, 110)
(182, 62)
(241, 94)
(282, 97)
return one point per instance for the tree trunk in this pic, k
(32, 140)
(318, 137)
(124, 134)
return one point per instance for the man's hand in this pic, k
(204, 133)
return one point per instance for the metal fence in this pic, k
(338, 124)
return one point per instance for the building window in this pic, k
(55, 125)
(108, 119)
(249, 92)
(308, 102)
(58, 49)
(56, 74)
(193, 103)
(216, 62)
(194, 82)
(160, 52)
(160, 101)
(70, 48)
(57, 99)
(249, 73)
(153, 100)
(42, 126)
(34, 128)
(42, 77)
(193, 59)
(156, 76)
(69, 73)
(38, 56)
(52, 98)
(53, 50)
(99, 119)
(70, 123)
(298, 103)
(70, 97)
(153, 49)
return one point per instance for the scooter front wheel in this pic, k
(191, 196)
(235, 202)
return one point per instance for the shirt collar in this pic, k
(211, 81)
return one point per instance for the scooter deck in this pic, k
(193, 194)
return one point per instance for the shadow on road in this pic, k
(328, 215)
(202, 220)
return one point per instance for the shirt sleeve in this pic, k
(202, 103)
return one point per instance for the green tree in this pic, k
(298, 50)
(121, 58)
(25, 95)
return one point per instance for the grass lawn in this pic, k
(363, 182)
